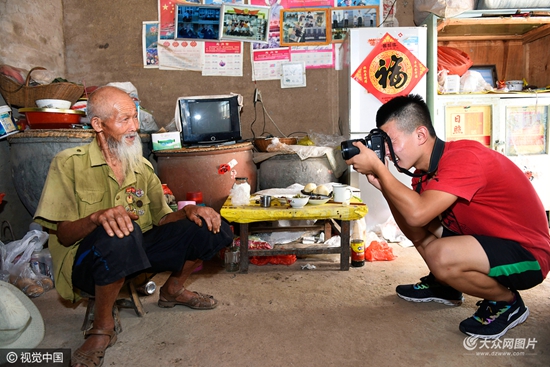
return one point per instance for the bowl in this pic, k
(53, 103)
(262, 143)
(51, 118)
(297, 202)
(514, 85)
(318, 199)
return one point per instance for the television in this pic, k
(210, 120)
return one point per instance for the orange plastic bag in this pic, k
(453, 59)
(274, 260)
(379, 251)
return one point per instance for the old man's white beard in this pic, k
(129, 155)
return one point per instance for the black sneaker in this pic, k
(430, 290)
(493, 319)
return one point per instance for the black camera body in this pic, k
(374, 141)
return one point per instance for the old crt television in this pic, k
(209, 119)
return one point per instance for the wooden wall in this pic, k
(515, 59)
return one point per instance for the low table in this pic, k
(329, 213)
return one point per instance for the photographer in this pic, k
(472, 214)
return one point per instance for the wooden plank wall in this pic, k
(507, 56)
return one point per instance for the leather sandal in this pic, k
(199, 302)
(94, 357)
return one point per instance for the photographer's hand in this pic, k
(367, 163)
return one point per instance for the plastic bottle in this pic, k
(357, 253)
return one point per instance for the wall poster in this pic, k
(468, 122)
(526, 130)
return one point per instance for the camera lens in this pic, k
(349, 150)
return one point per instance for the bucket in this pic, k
(31, 153)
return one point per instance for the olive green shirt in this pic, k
(80, 183)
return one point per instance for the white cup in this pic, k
(341, 193)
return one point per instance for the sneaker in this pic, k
(493, 319)
(430, 290)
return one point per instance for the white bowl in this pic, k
(53, 103)
(514, 85)
(318, 199)
(298, 202)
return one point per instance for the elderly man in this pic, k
(105, 209)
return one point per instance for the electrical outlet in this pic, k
(257, 96)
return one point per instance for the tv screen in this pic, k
(209, 119)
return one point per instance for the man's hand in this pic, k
(116, 221)
(196, 213)
(366, 162)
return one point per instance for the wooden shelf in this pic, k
(525, 29)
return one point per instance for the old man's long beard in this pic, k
(129, 155)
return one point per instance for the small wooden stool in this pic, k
(133, 302)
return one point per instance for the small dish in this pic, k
(298, 202)
(318, 199)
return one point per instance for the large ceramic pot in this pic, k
(31, 153)
(196, 169)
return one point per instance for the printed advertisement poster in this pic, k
(180, 55)
(150, 38)
(266, 64)
(315, 57)
(526, 130)
(223, 59)
(470, 122)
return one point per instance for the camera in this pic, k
(374, 141)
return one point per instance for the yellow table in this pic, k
(329, 212)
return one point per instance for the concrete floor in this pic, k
(286, 316)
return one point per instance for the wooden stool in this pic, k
(133, 302)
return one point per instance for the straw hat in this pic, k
(21, 325)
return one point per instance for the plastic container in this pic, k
(41, 263)
(183, 203)
(7, 126)
(195, 196)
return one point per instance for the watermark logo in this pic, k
(35, 357)
(499, 347)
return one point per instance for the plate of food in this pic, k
(318, 199)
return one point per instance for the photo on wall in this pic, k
(344, 18)
(198, 22)
(245, 23)
(305, 27)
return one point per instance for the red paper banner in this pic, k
(390, 70)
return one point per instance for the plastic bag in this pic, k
(454, 60)
(472, 81)
(240, 194)
(379, 251)
(274, 260)
(17, 253)
(15, 263)
(441, 8)
(323, 140)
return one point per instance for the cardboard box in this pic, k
(163, 141)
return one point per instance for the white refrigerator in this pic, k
(358, 107)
